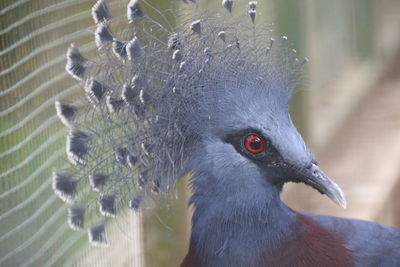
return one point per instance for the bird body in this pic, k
(302, 242)
(211, 100)
(290, 238)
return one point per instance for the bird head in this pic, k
(253, 143)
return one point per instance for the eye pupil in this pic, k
(254, 144)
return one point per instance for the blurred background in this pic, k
(348, 111)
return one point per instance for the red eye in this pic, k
(254, 144)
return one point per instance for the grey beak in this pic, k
(316, 178)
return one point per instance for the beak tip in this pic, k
(339, 198)
(316, 178)
(333, 191)
(343, 204)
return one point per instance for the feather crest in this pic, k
(153, 98)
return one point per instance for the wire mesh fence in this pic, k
(34, 36)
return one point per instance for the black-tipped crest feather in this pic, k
(103, 36)
(75, 63)
(107, 205)
(97, 181)
(66, 113)
(101, 12)
(97, 235)
(65, 186)
(77, 147)
(133, 11)
(76, 218)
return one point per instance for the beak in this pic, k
(316, 178)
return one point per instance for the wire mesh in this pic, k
(34, 36)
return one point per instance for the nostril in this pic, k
(309, 166)
(313, 167)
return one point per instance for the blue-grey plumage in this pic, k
(370, 244)
(212, 100)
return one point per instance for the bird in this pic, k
(206, 96)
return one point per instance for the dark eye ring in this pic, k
(254, 143)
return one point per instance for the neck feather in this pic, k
(233, 227)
